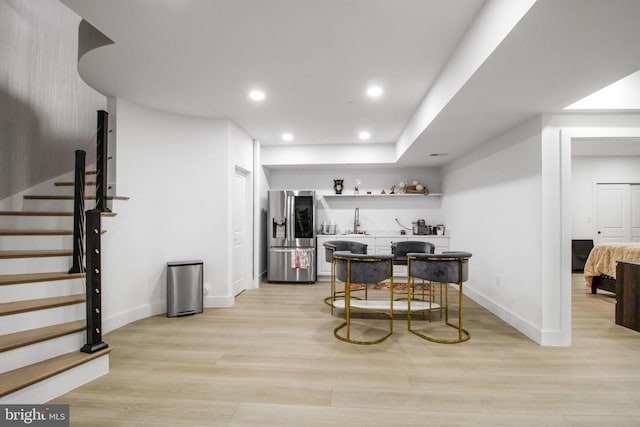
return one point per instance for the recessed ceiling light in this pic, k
(287, 136)
(256, 95)
(364, 135)
(374, 91)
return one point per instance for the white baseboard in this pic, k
(62, 383)
(555, 339)
(119, 320)
(526, 328)
(218, 301)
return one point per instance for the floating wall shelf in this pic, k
(346, 196)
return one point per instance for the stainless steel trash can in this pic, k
(184, 288)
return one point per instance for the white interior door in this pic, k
(613, 213)
(242, 231)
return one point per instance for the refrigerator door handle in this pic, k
(290, 214)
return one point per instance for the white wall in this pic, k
(492, 205)
(176, 170)
(376, 214)
(331, 154)
(46, 111)
(262, 187)
(585, 171)
(510, 203)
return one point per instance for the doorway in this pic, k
(242, 253)
(593, 156)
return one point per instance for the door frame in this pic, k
(249, 226)
(568, 133)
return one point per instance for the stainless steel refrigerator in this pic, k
(291, 231)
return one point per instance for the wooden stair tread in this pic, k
(15, 307)
(32, 336)
(68, 197)
(71, 183)
(34, 213)
(16, 232)
(17, 279)
(49, 213)
(20, 378)
(35, 254)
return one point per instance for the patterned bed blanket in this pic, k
(604, 256)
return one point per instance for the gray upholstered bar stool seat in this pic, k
(447, 267)
(365, 270)
(339, 246)
(402, 248)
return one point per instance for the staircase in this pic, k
(42, 306)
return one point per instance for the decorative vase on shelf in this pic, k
(338, 185)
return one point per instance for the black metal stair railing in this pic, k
(102, 158)
(93, 287)
(87, 232)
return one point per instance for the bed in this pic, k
(600, 268)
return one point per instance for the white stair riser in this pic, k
(56, 288)
(35, 265)
(16, 243)
(50, 205)
(14, 359)
(67, 190)
(24, 356)
(41, 318)
(36, 222)
(60, 384)
(55, 205)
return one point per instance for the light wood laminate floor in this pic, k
(272, 360)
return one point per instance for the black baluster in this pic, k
(94, 284)
(78, 213)
(101, 161)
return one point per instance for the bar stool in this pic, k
(339, 246)
(402, 248)
(366, 270)
(445, 268)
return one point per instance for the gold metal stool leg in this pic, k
(332, 298)
(347, 312)
(463, 334)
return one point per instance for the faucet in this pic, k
(356, 221)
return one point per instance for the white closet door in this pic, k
(635, 212)
(612, 213)
(242, 249)
(617, 213)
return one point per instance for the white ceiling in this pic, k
(314, 59)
